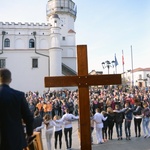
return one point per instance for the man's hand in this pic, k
(30, 139)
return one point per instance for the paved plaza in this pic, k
(136, 143)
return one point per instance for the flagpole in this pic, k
(132, 67)
(116, 64)
(123, 66)
(123, 61)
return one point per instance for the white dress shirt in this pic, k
(98, 119)
(67, 119)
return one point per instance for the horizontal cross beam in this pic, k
(82, 81)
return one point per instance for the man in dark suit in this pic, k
(14, 111)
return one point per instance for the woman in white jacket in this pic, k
(49, 123)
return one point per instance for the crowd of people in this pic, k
(111, 107)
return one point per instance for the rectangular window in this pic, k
(31, 45)
(140, 76)
(2, 63)
(63, 38)
(34, 63)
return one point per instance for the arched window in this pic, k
(31, 43)
(7, 43)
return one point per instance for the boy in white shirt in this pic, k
(67, 120)
(98, 119)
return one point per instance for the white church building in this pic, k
(32, 51)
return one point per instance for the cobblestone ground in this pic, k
(136, 143)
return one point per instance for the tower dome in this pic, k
(61, 7)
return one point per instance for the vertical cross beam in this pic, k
(84, 104)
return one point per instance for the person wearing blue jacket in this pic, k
(128, 119)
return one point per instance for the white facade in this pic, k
(33, 51)
(138, 77)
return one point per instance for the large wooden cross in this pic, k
(83, 81)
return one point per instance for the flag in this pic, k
(122, 58)
(116, 62)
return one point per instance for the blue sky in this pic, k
(106, 26)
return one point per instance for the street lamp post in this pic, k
(107, 64)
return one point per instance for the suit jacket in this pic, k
(13, 109)
(37, 122)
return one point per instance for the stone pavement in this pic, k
(136, 143)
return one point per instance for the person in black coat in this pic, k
(111, 120)
(137, 114)
(119, 117)
(13, 111)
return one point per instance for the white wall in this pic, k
(24, 77)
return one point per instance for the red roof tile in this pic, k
(141, 69)
(71, 31)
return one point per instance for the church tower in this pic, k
(55, 51)
(61, 14)
(38, 50)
